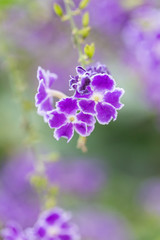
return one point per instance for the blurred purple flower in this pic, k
(78, 176)
(94, 225)
(149, 196)
(142, 40)
(18, 200)
(55, 224)
(13, 232)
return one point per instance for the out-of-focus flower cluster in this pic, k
(52, 224)
(141, 36)
(95, 98)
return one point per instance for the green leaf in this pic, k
(58, 10)
(85, 19)
(83, 4)
(89, 50)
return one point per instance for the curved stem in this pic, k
(55, 93)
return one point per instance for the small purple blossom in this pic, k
(66, 119)
(103, 100)
(55, 224)
(44, 100)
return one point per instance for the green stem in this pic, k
(74, 32)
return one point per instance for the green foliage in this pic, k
(58, 10)
(85, 19)
(83, 4)
(8, 3)
(89, 50)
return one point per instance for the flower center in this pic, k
(53, 231)
(71, 118)
(97, 98)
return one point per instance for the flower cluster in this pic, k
(95, 97)
(53, 224)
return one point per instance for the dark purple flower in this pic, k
(81, 82)
(82, 177)
(44, 98)
(65, 119)
(55, 224)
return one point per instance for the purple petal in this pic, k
(73, 82)
(41, 95)
(65, 237)
(41, 232)
(105, 113)
(86, 94)
(87, 118)
(46, 77)
(81, 128)
(102, 82)
(85, 82)
(51, 78)
(90, 129)
(68, 105)
(65, 226)
(52, 218)
(87, 106)
(80, 70)
(41, 74)
(65, 131)
(56, 119)
(114, 97)
(46, 105)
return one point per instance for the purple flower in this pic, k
(82, 177)
(13, 232)
(55, 224)
(95, 225)
(82, 81)
(65, 119)
(44, 99)
(142, 40)
(103, 99)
